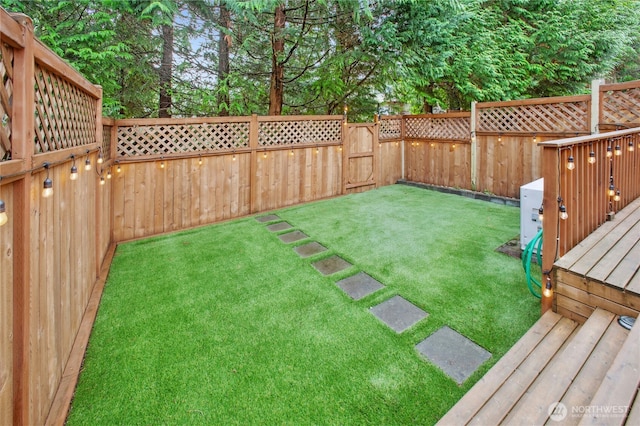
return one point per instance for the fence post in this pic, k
(594, 119)
(402, 133)
(474, 145)
(22, 148)
(253, 144)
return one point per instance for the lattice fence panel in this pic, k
(621, 106)
(6, 100)
(278, 133)
(390, 129)
(558, 118)
(448, 128)
(181, 138)
(65, 116)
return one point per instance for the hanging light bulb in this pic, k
(617, 196)
(3, 213)
(563, 212)
(101, 180)
(535, 138)
(612, 190)
(200, 160)
(548, 288)
(73, 174)
(609, 152)
(109, 173)
(265, 153)
(87, 164)
(571, 163)
(540, 213)
(618, 149)
(317, 150)
(47, 185)
(291, 152)
(630, 146)
(100, 158)
(592, 158)
(499, 137)
(162, 162)
(118, 169)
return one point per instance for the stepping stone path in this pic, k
(456, 355)
(279, 226)
(309, 249)
(331, 265)
(268, 218)
(292, 237)
(398, 313)
(359, 285)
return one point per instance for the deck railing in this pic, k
(586, 181)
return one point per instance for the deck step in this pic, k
(557, 360)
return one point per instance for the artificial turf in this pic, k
(225, 324)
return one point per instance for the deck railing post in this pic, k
(594, 117)
(550, 222)
(474, 147)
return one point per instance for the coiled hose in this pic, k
(527, 255)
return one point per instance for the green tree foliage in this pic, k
(233, 56)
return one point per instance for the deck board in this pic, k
(576, 253)
(586, 383)
(553, 382)
(620, 385)
(611, 261)
(627, 267)
(496, 408)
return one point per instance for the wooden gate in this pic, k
(360, 158)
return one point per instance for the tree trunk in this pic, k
(166, 72)
(276, 90)
(224, 42)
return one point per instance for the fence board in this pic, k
(6, 308)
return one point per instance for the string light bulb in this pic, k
(618, 149)
(540, 213)
(100, 157)
(499, 137)
(73, 173)
(161, 163)
(592, 158)
(612, 190)
(47, 185)
(200, 160)
(571, 163)
(291, 153)
(87, 164)
(548, 288)
(101, 180)
(630, 146)
(118, 169)
(265, 154)
(563, 212)
(617, 196)
(3, 213)
(609, 152)
(535, 138)
(109, 173)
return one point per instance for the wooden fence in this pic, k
(153, 176)
(51, 247)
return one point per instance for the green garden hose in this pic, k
(536, 243)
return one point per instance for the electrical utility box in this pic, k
(530, 202)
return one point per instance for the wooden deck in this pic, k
(593, 369)
(603, 270)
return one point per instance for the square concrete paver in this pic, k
(280, 226)
(359, 285)
(291, 237)
(268, 218)
(456, 355)
(309, 249)
(398, 313)
(331, 265)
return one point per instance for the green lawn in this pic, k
(226, 324)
